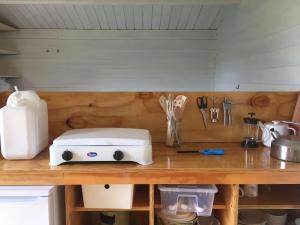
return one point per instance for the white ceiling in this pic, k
(112, 17)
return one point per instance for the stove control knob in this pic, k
(67, 155)
(118, 155)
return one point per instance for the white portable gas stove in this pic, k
(102, 144)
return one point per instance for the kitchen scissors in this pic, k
(202, 105)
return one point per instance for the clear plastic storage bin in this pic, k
(187, 198)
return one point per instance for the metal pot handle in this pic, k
(275, 134)
(293, 129)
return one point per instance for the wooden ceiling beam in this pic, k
(113, 2)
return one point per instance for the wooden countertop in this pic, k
(237, 166)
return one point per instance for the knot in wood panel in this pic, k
(260, 101)
(76, 122)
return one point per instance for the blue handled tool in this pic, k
(212, 151)
(204, 151)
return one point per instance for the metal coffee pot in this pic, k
(281, 127)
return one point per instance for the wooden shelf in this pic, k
(146, 199)
(218, 202)
(278, 197)
(5, 28)
(140, 202)
(4, 52)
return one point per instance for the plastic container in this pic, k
(23, 125)
(187, 198)
(109, 196)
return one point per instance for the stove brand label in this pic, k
(92, 154)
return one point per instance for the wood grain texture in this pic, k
(151, 204)
(71, 110)
(237, 166)
(74, 198)
(230, 194)
(70, 203)
(73, 217)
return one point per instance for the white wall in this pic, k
(259, 46)
(111, 60)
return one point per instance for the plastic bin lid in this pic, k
(26, 191)
(211, 188)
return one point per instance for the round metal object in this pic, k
(286, 148)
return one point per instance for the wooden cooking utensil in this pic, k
(163, 103)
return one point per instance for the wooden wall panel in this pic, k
(69, 110)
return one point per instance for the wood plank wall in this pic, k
(258, 46)
(69, 110)
(123, 60)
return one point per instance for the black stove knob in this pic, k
(67, 155)
(118, 155)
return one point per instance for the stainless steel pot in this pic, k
(285, 147)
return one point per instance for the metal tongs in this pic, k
(227, 112)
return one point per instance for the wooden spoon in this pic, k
(163, 103)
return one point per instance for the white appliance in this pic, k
(102, 144)
(23, 125)
(31, 205)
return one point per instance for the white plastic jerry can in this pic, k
(23, 125)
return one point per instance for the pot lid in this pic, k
(289, 140)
